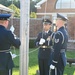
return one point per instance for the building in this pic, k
(65, 7)
(51, 7)
(46, 8)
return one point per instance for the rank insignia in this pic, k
(56, 40)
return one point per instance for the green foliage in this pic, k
(16, 10)
(33, 63)
(33, 15)
(32, 6)
(16, 3)
(70, 54)
(31, 43)
(16, 71)
(4, 2)
(69, 70)
(9, 2)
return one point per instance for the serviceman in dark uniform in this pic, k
(7, 40)
(59, 40)
(42, 41)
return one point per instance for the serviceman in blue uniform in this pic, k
(42, 41)
(59, 41)
(7, 40)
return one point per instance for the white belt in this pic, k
(5, 50)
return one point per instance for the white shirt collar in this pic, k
(46, 31)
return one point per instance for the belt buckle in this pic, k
(44, 46)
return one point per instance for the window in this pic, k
(65, 4)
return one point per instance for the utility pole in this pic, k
(24, 36)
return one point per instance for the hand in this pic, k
(12, 29)
(42, 41)
(52, 66)
(13, 55)
(48, 39)
(15, 36)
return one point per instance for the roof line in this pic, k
(39, 3)
(54, 13)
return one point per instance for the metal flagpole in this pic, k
(24, 36)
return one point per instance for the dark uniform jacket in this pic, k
(44, 53)
(6, 41)
(60, 39)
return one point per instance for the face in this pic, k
(59, 23)
(46, 27)
(6, 23)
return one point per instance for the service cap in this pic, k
(4, 16)
(47, 21)
(59, 16)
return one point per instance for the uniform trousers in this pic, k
(44, 66)
(6, 72)
(59, 71)
(59, 68)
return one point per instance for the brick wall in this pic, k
(49, 8)
(36, 26)
(71, 27)
(16, 23)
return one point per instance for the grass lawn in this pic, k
(33, 63)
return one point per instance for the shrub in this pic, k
(32, 43)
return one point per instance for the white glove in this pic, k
(13, 55)
(15, 36)
(12, 29)
(52, 66)
(42, 41)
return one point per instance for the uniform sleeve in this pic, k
(12, 40)
(57, 47)
(37, 40)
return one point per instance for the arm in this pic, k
(57, 47)
(37, 40)
(12, 40)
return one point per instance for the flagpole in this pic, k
(24, 36)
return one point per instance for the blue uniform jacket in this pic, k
(43, 53)
(6, 41)
(60, 39)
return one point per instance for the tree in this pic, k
(33, 15)
(15, 9)
(9, 2)
(16, 3)
(32, 6)
(4, 2)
